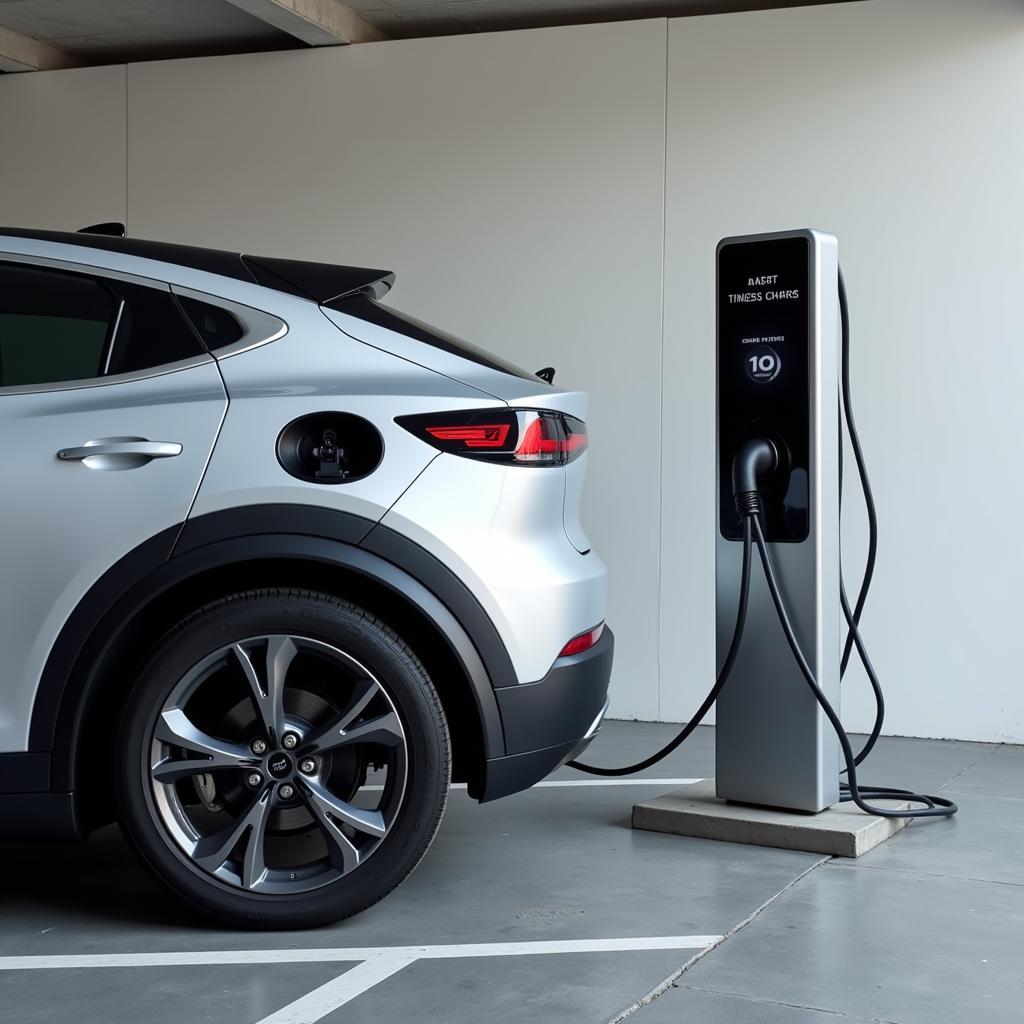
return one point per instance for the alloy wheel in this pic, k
(277, 764)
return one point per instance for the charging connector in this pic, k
(756, 460)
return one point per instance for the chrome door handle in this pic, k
(141, 447)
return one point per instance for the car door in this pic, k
(109, 410)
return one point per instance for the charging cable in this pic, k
(853, 618)
(754, 460)
(730, 658)
(935, 806)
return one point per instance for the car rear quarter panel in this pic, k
(499, 528)
(316, 368)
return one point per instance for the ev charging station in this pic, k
(778, 379)
(782, 396)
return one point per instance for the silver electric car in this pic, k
(278, 563)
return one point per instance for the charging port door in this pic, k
(778, 379)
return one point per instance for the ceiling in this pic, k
(112, 31)
(38, 34)
(406, 18)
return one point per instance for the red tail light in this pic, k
(547, 439)
(486, 435)
(583, 642)
(527, 437)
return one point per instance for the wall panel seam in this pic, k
(124, 141)
(661, 384)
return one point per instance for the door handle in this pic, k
(134, 447)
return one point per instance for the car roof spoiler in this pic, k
(325, 283)
(113, 228)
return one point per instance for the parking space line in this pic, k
(352, 954)
(373, 964)
(571, 783)
(338, 991)
(614, 782)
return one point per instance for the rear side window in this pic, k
(58, 326)
(367, 309)
(150, 331)
(53, 326)
(216, 326)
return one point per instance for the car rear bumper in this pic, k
(551, 721)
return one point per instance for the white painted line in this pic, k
(354, 953)
(616, 782)
(338, 991)
(572, 783)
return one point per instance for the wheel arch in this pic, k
(144, 595)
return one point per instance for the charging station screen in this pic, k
(764, 306)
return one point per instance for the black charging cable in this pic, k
(709, 700)
(853, 618)
(754, 460)
(935, 806)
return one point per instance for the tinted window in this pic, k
(53, 326)
(150, 330)
(216, 326)
(59, 326)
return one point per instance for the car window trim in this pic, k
(84, 269)
(200, 359)
(112, 339)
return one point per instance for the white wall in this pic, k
(62, 148)
(898, 126)
(534, 190)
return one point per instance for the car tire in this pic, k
(278, 667)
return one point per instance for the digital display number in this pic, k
(763, 365)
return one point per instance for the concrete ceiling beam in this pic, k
(19, 52)
(315, 22)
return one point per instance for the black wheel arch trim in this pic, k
(235, 536)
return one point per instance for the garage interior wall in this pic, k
(556, 195)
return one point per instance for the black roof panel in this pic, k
(320, 282)
(213, 261)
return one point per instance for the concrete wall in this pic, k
(557, 195)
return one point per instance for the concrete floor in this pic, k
(927, 928)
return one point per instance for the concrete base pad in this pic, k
(841, 831)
